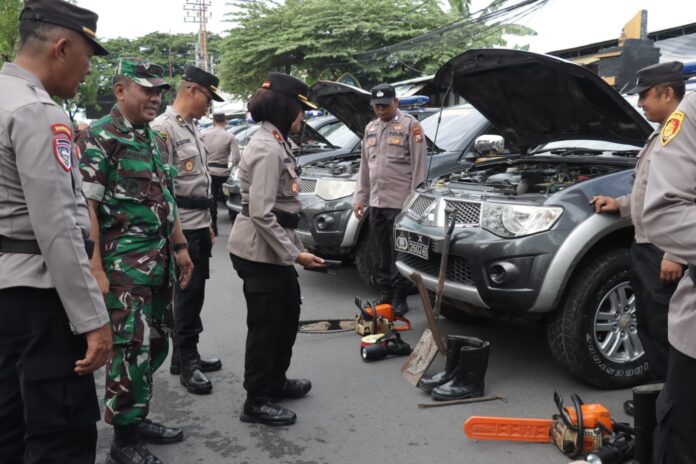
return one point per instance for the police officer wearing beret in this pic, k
(670, 221)
(264, 247)
(187, 153)
(55, 328)
(655, 273)
(392, 165)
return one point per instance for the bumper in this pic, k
(234, 197)
(328, 226)
(485, 271)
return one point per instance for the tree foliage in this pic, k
(9, 31)
(323, 39)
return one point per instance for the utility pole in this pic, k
(198, 11)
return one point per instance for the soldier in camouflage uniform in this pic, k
(134, 219)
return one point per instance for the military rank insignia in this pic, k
(671, 127)
(62, 145)
(417, 132)
(277, 136)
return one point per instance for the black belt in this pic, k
(31, 247)
(287, 220)
(217, 165)
(194, 202)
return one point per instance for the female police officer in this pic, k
(264, 248)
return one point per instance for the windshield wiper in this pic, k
(569, 150)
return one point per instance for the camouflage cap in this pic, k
(142, 72)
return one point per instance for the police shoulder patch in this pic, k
(671, 127)
(62, 145)
(417, 132)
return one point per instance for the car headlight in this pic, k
(332, 189)
(506, 220)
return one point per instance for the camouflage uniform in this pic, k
(122, 169)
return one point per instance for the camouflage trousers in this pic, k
(140, 320)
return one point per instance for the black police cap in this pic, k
(290, 86)
(660, 73)
(204, 79)
(62, 13)
(382, 94)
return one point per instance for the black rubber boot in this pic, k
(454, 345)
(191, 377)
(153, 432)
(385, 296)
(469, 380)
(399, 302)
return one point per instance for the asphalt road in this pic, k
(357, 412)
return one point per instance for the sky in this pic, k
(560, 24)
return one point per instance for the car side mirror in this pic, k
(489, 145)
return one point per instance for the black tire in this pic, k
(574, 337)
(363, 261)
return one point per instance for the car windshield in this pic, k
(454, 128)
(339, 135)
(244, 135)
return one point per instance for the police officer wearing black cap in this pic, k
(192, 185)
(264, 248)
(54, 328)
(655, 273)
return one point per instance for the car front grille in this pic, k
(308, 185)
(303, 225)
(421, 205)
(468, 212)
(457, 268)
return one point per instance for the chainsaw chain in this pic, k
(326, 326)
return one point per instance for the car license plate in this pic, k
(412, 243)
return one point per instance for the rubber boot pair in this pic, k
(464, 373)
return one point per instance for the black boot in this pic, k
(128, 449)
(191, 376)
(454, 345)
(152, 432)
(399, 302)
(385, 296)
(207, 364)
(468, 381)
(262, 411)
(292, 389)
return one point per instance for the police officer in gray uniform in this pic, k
(192, 187)
(391, 167)
(654, 273)
(264, 247)
(55, 329)
(670, 223)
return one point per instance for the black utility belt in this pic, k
(194, 202)
(286, 220)
(31, 247)
(217, 165)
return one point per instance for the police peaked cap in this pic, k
(204, 79)
(290, 86)
(62, 13)
(660, 73)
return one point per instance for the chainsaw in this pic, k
(575, 430)
(379, 346)
(379, 319)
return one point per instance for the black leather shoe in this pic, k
(385, 297)
(628, 408)
(207, 364)
(400, 306)
(268, 414)
(134, 453)
(152, 432)
(293, 389)
(195, 381)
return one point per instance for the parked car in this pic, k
(327, 224)
(527, 242)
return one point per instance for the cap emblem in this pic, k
(379, 94)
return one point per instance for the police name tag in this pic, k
(412, 243)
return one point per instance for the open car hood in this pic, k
(310, 136)
(534, 99)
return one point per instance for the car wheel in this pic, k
(593, 332)
(363, 261)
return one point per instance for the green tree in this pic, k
(322, 39)
(9, 32)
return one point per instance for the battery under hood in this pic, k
(533, 99)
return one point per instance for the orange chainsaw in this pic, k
(580, 429)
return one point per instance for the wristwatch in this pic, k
(180, 246)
